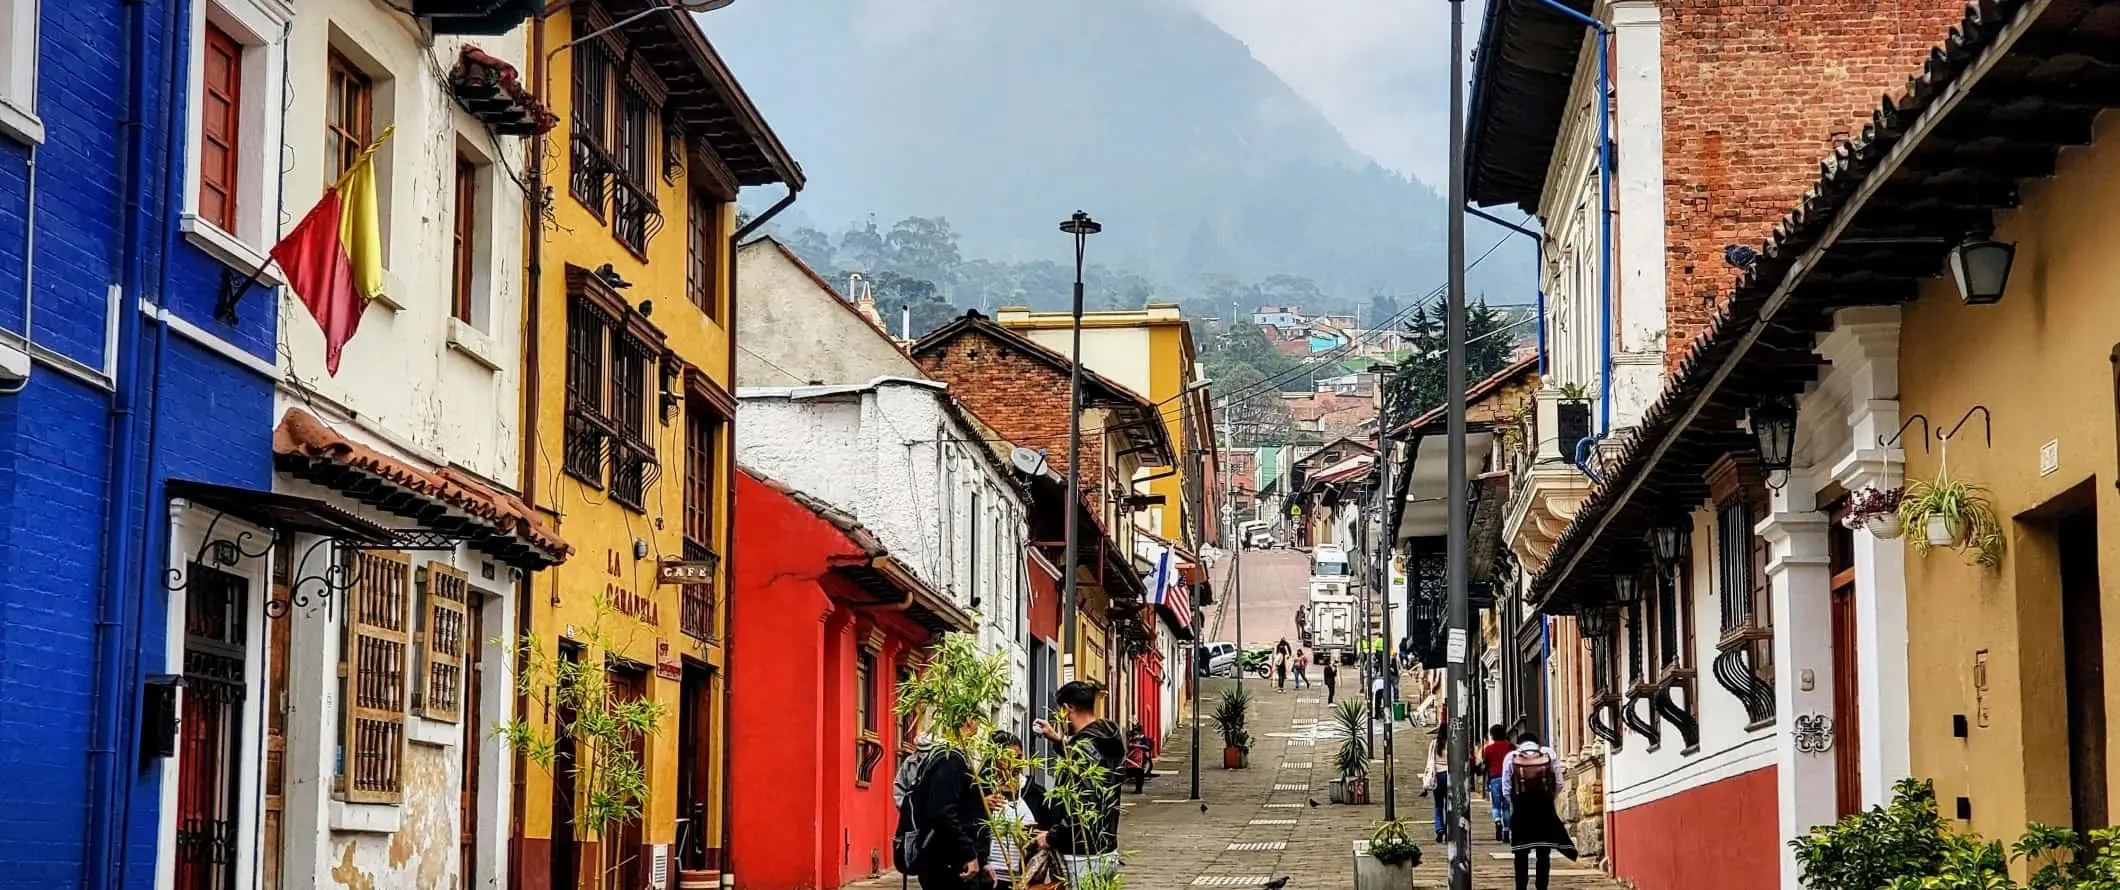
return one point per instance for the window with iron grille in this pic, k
(703, 252)
(703, 427)
(372, 679)
(1637, 648)
(589, 432)
(1674, 626)
(589, 157)
(634, 217)
(634, 456)
(1733, 561)
(444, 610)
(865, 691)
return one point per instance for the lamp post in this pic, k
(1456, 555)
(1080, 226)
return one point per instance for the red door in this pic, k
(209, 759)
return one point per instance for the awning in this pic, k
(280, 512)
(1427, 485)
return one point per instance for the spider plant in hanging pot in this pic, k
(1946, 512)
(1877, 510)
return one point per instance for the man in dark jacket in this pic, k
(1096, 832)
(951, 816)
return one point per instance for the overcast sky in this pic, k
(1375, 68)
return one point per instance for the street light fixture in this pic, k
(1081, 227)
(1774, 426)
(1981, 267)
(1668, 540)
(1626, 588)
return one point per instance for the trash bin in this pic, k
(1398, 710)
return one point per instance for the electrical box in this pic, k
(158, 716)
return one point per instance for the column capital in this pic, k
(1635, 13)
(1794, 539)
(1871, 467)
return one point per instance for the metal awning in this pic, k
(1426, 512)
(281, 512)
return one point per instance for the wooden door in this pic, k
(694, 765)
(622, 850)
(1847, 682)
(2083, 645)
(278, 629)
(565, 872)
(474, 736)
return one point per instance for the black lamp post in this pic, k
(1774, 427)
(1080, 226)
(1981, 267)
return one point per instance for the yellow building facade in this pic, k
(629, 338)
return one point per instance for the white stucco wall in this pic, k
(446, 386)
(894, 457)
(1121, 354)
(794, 335)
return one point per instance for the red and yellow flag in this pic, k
(333, 258)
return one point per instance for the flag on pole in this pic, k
(333, 258)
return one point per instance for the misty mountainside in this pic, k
(1004, 117)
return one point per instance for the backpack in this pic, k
(908, 838)
(1531, 772)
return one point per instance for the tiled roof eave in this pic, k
(1749, 326)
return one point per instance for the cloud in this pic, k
(1375, 68)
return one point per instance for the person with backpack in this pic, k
(942, 839)
(1531, 781)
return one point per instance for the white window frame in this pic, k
(18, 71)
(261, 26)
(188, 528)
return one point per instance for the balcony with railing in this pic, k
(634, 217)
(696, 612)
(1546, 486)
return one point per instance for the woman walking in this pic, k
(1302, 662)
(1435, 780)
(1531, 778)
(1280, 667)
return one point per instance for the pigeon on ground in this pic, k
(1275, 884)
(1203, 808)
(1740, 256)
(1313, 801)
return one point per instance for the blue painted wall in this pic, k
(197, 415)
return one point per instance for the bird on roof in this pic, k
(1740, 256)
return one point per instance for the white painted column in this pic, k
(1800, 584)
(1864, 347)
(1638, 82)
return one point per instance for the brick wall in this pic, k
(1025, 400)
(1755, 94)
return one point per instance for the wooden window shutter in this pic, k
(444, 613)
(377, 640)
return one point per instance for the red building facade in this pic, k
(830, 626)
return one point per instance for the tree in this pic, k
(896, 293)
(1382, 309)
(922, 247)
(1252, 407)
(1487, 343)
(814, 247)
(861, 248)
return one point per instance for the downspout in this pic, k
(109, 802)
(728, 555)
(1538, 268)
(1604, 207)
(533, 312)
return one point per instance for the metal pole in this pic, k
(1196, 486)
(1456, 554)
(1080, 226)
(1385, 537)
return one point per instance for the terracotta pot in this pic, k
(1234, 757)
(687, 879)
(1885, 526)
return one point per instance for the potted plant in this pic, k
(1352, 758)
(1876, 509)
(1229, 717)
(1946, 512)
(1385, 861)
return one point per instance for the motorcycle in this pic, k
(1257, 661)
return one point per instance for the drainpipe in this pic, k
(728, 555)
(109, 798)
(533, 379)
(1604, 208)
(1538, 266)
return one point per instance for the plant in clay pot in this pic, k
(1349, 726)
(1876, 509)
(1230, 718)
(1946, 512)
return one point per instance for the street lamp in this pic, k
(1981, 267)
(1668, 541)
(1081, 227)
(1774, 426)
(1626, 588)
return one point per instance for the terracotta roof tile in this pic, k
(301, 435)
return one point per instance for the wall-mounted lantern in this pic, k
(1668, 540)
(1981, 267)
(1774, 427)
(1626, 589)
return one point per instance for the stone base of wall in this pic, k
(1583, 806)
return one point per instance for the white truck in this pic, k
(1332, 628)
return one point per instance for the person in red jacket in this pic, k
(1491, 762)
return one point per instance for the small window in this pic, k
(865, 691)
(444, 613)
(464, 245)
(350, 115)
(703, 252)
(18, 70)
(589, 159)
(587, 432)
(372, 679)
(972, 561)
(220, 125)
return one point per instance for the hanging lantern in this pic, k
(1668, 541)
(1626, 589)
(1594, 622)
(1981, 267)
(1774, 426)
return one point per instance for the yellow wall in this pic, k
(2040, 361)
(601, 530)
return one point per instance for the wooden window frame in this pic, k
(463, 250)
(221, 183)
(349, 130)
(444, 615)
(609, 433)
(703, 252)
(591, 167)
(1745, 660)
(373, 675)
(587, 431)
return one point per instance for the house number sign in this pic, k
(1814, 733)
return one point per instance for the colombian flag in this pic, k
(334, 257)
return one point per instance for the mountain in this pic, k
(1004, 117)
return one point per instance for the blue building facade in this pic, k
(138, 390)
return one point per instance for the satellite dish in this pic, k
(1028, 462)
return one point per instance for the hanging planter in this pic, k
(1877, 511)
(1953, 514)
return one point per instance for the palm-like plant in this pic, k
(1349, 726)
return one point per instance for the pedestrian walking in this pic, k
(1492, 755)
(1435, 779)
(1139, 754)
(1332, 680)
(1301, 664)
(1280, 667)
(1016, 805)
(1377, 701)
(1531, 779)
